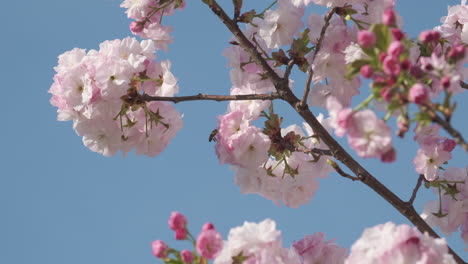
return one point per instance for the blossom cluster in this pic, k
(268, 161)
(99, 91)
(208, 244)
(391, 244)
(261, 243)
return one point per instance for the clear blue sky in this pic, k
(61, 203)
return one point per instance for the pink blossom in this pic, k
(177, 221)
(389, 156)
(181, 234)
(395, 48)
(259, 242)
(366, 71)
(418, 93)
(314, 249)
(391, 66)
(389, 243)
(397, 34)
(187, 256)
(209, 243)
(448, 145)
(369, 135)
(366, 38)
(389, 17)
(279, 26)
(208, 226)
(136, 27)
(159, 248)
(428, 159)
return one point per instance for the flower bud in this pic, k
(181, 234)
(389, 156)
(366, 71)
(445, 81)
(389, 17)
(397, 34)
(366, 38)
(208, 226)
(418, 93)
(177, 221)
(395, 48)
(159, 249)
(187, 256)
(448, 144)
(136, 27)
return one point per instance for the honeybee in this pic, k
(212, 136)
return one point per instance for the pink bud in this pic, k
(389, 17)
(136, 27)
(416, 72)
(209, 243)
(445, 81)
(397, 34)
(159, 249)
(386, 93)
(418, 93)
(181, 234)
(426, 36)
(389, 156)
(448, 145)
(177, 221)
(391, 66)
(395, 48)
(382, 56)
(366, 71)
(405, 64)
(187, 256)
(208, 226)
(366, 38)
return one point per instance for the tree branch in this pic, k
(318, 46)
(208, 97)
(416, 188)
(338, 151)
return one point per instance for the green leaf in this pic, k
(383, 35)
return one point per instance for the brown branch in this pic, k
(341, 172)
(416, 188)
(339, 153)
(318, 46)
(208, 97)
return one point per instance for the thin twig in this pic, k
(340, 171)
(318, 46)
(325, 152)
(208, 97)
(282, 87)
(288, 69)
(447, 126)
(416, 188)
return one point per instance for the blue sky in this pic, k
(61, 203)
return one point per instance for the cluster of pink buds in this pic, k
(208, 244)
